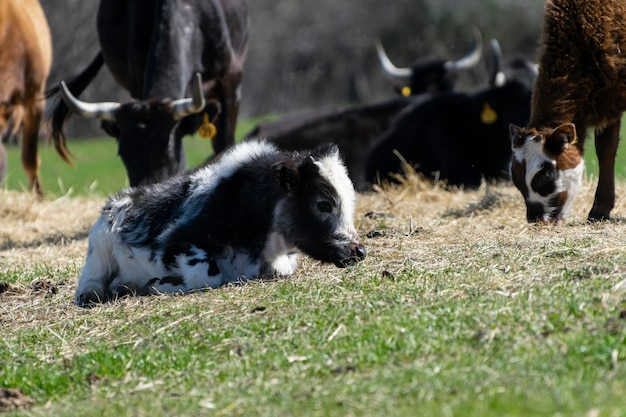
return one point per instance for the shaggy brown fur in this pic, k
(25, 59)
(582, 80)
(582, 70)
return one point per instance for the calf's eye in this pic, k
(324, 206)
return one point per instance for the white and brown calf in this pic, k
(548, 170)
(246, 215)
(581, 85)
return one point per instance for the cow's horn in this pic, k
(105, 110)
(186, 106)
(472, 58)
(496, 76)
(390, 69)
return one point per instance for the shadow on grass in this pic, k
(49, 240)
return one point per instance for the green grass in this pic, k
(591, 161)
(366, 345)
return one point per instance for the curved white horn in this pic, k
(105, 110)
(472, 58)
(186, 106)
(390, 69)
(497, 78)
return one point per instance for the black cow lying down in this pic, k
(352, 129)
(243, 216)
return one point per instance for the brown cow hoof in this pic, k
(597, 216)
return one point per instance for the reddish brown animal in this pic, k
(581, 85)
(25, 59)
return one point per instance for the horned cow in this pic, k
(154, 50)
(242, 216)
(581, 85)
(430, 75)
(457, 137)
(25, 59)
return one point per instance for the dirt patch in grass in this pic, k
(13, 399)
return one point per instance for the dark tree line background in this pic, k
(319, 53)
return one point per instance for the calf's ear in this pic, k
(560, 138)
(514, 130)
(566, 133)
(514, 134)
(287, 174)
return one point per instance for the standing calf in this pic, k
(581, 84)
(241, 217)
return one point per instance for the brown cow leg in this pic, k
(30, 161)
(606, 150)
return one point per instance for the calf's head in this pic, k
(317, 212)
(547, 169)
(145, 131)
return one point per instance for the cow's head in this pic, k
(547, 169)
(429, 75)
(145, 131)
(317, 214)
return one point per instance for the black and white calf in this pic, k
(245, 215)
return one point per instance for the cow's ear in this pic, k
(560, 138)
(287, 174)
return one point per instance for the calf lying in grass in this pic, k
(243, 216)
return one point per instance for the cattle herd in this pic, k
(182, 66)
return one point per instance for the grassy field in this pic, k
(460, 309)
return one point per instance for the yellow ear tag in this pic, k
(207, 130)
(488, 115)
(406, 91)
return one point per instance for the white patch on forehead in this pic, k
(530, 149)
(532, 153)
(335, 172)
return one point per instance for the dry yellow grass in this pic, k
(410, 227)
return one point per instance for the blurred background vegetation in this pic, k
(315, 53)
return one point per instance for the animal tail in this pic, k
(60, 112)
